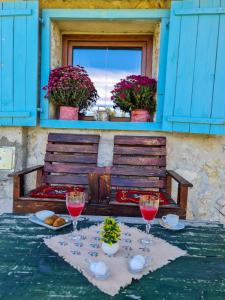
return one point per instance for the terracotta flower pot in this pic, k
(68, 113)
(140, 115)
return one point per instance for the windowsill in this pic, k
(101, 125)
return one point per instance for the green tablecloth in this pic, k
(30, 270)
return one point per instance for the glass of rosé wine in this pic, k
(149, 205)
(75, 202)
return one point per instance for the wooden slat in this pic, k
(140, 140)
(78, 158)
(138, 171)
(139, 161)
(161, 151)
(66, 179)
(136, 182)
(73, 138)
(72, 148)
(68, 168)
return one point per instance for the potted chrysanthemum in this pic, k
(136, 94)
(71, 89)
(110, 236)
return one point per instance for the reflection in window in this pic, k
(106, 66)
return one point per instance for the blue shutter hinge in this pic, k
(41, 21)
(40, 109)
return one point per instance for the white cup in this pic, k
(171, 220)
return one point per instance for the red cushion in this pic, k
(132, 196)
(57, 191)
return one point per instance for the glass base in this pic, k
(146, 242)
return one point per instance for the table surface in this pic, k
(30, 270)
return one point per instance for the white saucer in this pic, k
(179, 226)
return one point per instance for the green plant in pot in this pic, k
(110, 236)
(136, 94)
(71, 89)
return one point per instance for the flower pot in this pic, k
(110, 249)
(68, 113)
(140, 115)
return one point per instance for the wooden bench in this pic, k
(139, 163)
(70, 159)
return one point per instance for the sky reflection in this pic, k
(106, 66)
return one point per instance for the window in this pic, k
(108, 59)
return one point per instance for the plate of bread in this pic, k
(49, 219)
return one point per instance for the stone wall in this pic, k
(200, 158)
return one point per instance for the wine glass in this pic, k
(149, 205)
(75, 202)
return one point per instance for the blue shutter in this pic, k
(195, 77)
(18, 63)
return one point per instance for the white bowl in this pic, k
(43, 214)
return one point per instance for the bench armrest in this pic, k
(26, 171)
(179, 178)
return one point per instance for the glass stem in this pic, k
(74, 220)
(148, 227)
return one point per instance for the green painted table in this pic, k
(31, 271)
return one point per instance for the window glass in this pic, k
(106, 66)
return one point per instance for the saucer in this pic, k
(179, 226)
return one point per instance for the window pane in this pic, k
(106, 66)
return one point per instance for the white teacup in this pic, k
(171, 220)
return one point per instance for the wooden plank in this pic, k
(72, 148)
(199, 120)
(7, 64)
(138, 171)
(68, 168)
(146, 151)
(186, 65)
(206, 50)
(136, 182)
(20, 79)
(15, 12)
(18, 114)
(171, 71)
(73, 138)
(78, 158)
(66, 179)
(200, 11)
(139, 161)
(179, 178)
(163, 49)
(26, 171)
(140, 140)
(218, 105)
(32, 63)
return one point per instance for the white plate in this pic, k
(179, 226)
(35, 220)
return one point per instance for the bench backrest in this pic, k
(70, 157)
(139, 162)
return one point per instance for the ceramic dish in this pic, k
(179, 226)
(36, 220)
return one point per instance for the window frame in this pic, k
(48, 15)
(145, 42)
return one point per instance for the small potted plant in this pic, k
(136, 94)
(71, 89)
(110, 236)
